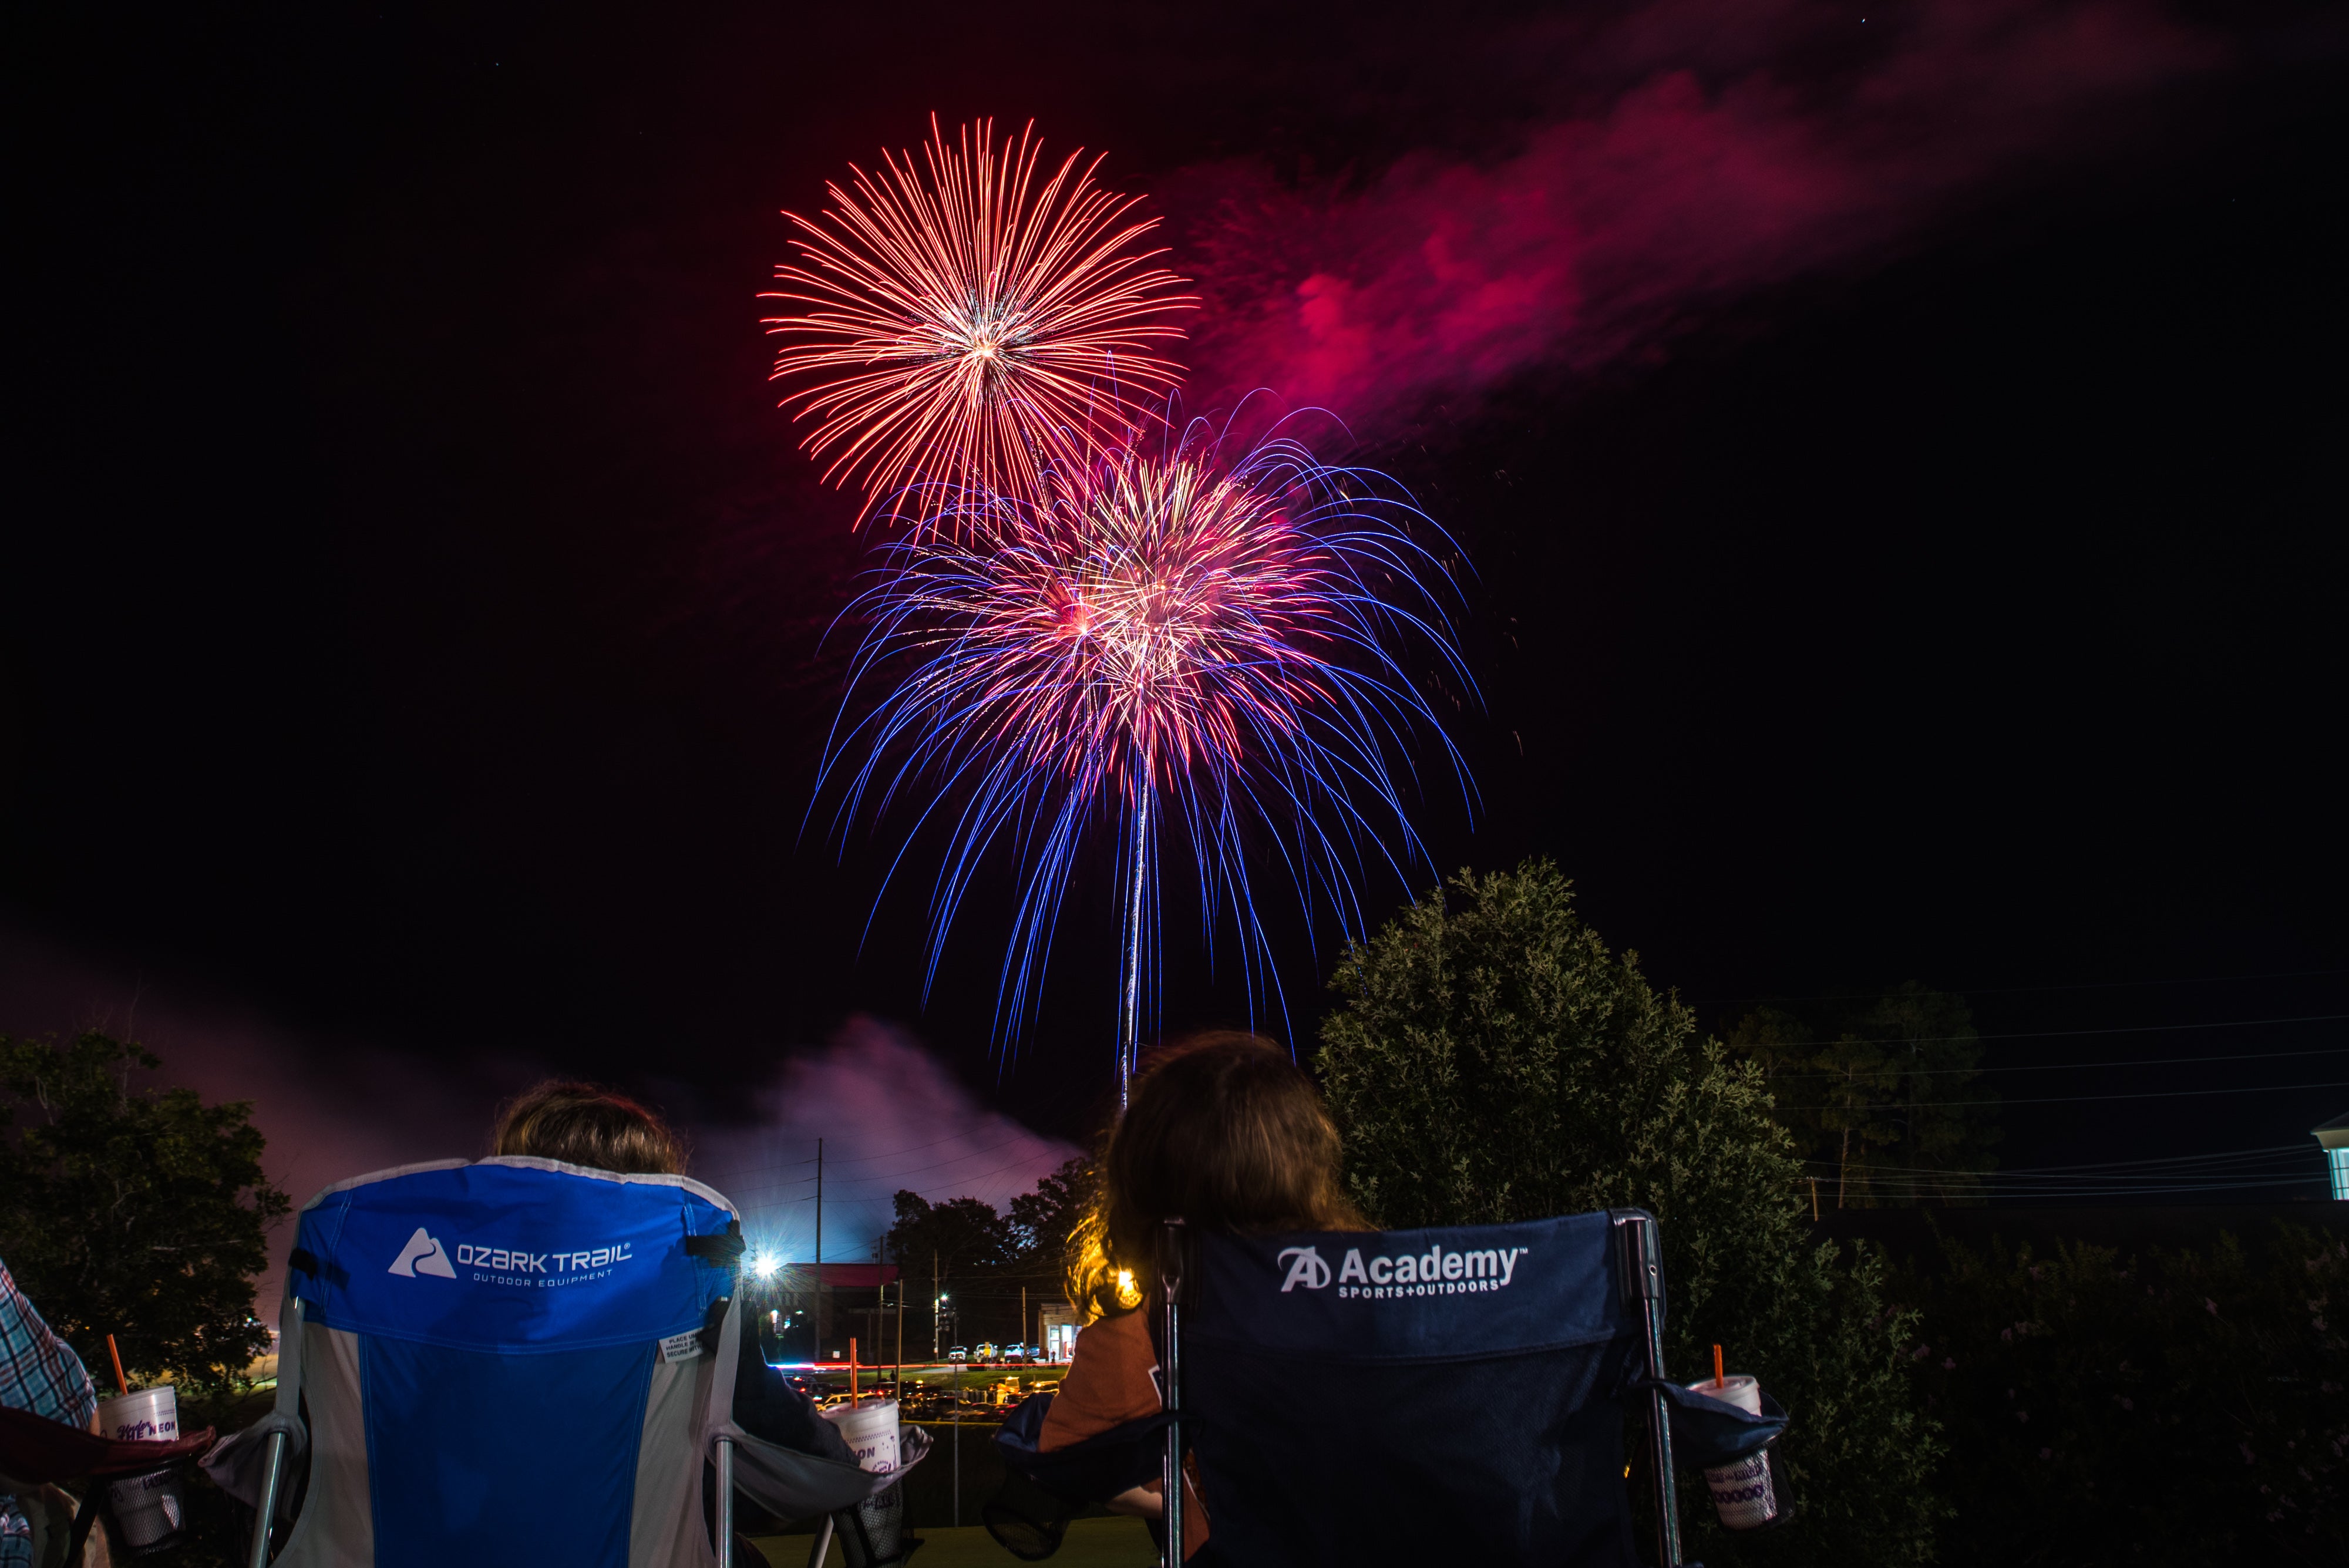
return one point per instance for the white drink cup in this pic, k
(150, 1416)
(148, 1509)
(870, 1430)
(1743, 1494)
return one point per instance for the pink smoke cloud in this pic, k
(892, 1115)
(890, 1112)
(1687, 185)
(330, 1109)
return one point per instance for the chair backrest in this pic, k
(505, 1361)
(1452, 1396)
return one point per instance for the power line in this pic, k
(2075, 1034)
(961, 1182)
(2268, 1168)
(888, 1176)
(2030, 989)
(2101, 1192)
(885, 1177)
(2082, 1066)
(2076, 1099)
(2264, 1152)
(862, 1159)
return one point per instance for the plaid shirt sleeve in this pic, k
(38, 1370)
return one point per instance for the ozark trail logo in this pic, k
(423, 1255)
(509, 1265)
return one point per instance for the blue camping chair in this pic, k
(514, 1360)
(1453, 1395)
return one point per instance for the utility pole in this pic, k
(819, 1249)
(1023, 1322)
(934, 1313)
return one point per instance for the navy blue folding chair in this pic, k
(1455, 1394)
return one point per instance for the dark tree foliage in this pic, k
(990, 1262)
(962, 1235)
(1491, 1060)
(1884, 1099)
(2179, 1407)
(1048, 1219)
(134, 1211)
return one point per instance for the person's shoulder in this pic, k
(1126, 1331)
(1111, 1381)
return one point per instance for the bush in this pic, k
(1493, 1061)
(138, 1212)
(2175, 1408)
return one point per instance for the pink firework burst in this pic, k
(972, 327)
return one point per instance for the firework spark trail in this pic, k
(972, 328)
(1157, 628)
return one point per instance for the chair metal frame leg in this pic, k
(1643, 1269)
(1170, 1477)
(84, 1518)
(264, 1520)
(822, 1542)
(725, 1527)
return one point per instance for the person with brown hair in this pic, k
(588, 1125)
(1226, 1131)
(583, 1124)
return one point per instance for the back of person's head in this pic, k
(1226, 1132)
(581, 1124)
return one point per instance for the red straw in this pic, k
(1717, 1378)
(120, 1381)
(852, 1374)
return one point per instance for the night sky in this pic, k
(1901, 448)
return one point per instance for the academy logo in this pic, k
(1436, 1273)
(1309, 1270)
(423, 1255)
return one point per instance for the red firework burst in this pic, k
(972, 327)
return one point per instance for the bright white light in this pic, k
(764, 1264)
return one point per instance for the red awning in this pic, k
(843, 1276)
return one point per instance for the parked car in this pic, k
(987, 1353)
(959, 1353)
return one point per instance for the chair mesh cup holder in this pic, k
(1729, 1432)
(150, 1510)
(1751, 1493)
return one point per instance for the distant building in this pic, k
(1057, 1328)
(818, 1317)
(2332, 1137)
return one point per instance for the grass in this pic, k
(1090, 1543)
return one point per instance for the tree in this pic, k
(134, 1211)
(1047, 1218)
(965, 1235)
(1892, 1109)
(1491, 1061)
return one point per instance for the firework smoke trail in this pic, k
(972, 327)
(1157, 630)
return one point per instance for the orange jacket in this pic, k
(1112, 1380)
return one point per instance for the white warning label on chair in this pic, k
(681, 1346)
